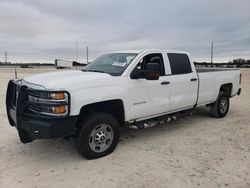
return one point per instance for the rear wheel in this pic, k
(98, 135)
(220, 108)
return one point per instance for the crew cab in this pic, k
(118, 89)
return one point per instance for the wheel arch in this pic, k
(227, 88)
(115, 107)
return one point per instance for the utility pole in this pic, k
(76, 51)
(212, 52)
(87, 54)
(5, 56)
(15, 73)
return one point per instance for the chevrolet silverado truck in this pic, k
(118, 89)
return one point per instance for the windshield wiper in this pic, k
(93, 70)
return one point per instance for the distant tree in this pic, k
(239, 62)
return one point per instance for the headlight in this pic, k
(58, 96)
(48, 103)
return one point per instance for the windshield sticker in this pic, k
(120, 64)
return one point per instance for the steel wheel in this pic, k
(223, 105)
(101, 138)
(98, 135)
(220, 107)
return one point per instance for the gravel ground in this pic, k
(196, 151)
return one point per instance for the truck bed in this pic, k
(201, 70)
(211, 79)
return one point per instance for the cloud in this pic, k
(43, 30)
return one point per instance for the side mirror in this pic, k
(152, 71)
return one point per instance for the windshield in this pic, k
(113, 64)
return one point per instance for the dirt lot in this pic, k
(197, 151)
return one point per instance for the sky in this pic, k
(43, 30)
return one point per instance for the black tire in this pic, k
(217, 109)
(84, 139)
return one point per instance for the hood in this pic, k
(64, 79)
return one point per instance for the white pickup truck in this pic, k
(126, 88)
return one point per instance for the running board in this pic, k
(160, 120)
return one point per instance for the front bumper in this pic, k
(36, 128)
(33, 126)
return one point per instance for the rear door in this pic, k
(184, 82)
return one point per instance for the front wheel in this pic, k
(220, 108)
(98, 135)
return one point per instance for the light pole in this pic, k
(212, 52)
(87, 54)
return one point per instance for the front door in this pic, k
(149, 97)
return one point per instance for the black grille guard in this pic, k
(17, 102)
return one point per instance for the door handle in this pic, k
(165, 83)
(193, 79)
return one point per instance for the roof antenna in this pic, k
(15, 73)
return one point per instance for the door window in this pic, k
(152, 58)
(179, 63)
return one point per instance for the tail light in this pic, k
(240, 78)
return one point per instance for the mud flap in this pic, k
(239, 91)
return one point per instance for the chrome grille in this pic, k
(40, 102)
(34, 108)
(34, 93)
